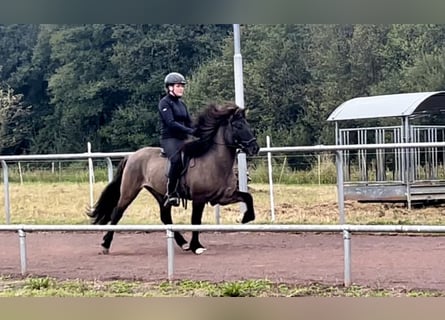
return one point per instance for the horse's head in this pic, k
(241, 133)
(236, 131)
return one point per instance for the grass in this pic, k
(66, 203)
(49, 287)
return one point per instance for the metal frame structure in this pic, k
(396, 175)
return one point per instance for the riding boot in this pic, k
(172, 197)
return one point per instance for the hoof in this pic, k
(105, 250)
(185, 247)
(247, 219)
(200, 251)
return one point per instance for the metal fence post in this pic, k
(340, 186)
(91, 176)
(217, 214)
(170, 254)
(110, 169)
(242, 177)
(22, 244)
(6, 188)
(270, 171)
(347, 253)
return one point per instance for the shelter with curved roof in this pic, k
(391, 105)
(392, 175)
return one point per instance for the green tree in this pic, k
(142, 56)
(16, 48)
(14, 131)
(101, 83)
(274, 79)
(81, 87)
(34, 85)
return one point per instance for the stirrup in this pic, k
(172, 200)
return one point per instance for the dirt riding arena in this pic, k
(378, 261)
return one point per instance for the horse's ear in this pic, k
(241, 112)
(231, 106)
(218, 107)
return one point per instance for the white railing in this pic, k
(66, 156)
(269, 150)
(341, 227)
(346, 229)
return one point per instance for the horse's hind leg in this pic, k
(197, 211)
(123, 203)
(108, 237)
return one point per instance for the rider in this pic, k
(176, 125)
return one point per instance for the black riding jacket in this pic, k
(175, 119)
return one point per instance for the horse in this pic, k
(208, 177)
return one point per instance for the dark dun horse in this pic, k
(209, 177)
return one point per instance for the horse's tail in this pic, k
(101, 212)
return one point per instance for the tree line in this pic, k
(65, 85)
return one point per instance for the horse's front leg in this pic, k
(166, 218)
(197, 211)
(246, 197)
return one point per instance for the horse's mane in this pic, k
(207, 124)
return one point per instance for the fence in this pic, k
(347, 231)
(68, 156)
(169, 229)
(338, 149)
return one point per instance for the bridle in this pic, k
(237, 143)
(243, 143)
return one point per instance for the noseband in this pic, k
(244, 143)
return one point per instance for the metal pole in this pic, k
(22, 244)
(347, 253)
(239, 100)
(408, 161)
(242, 177)
(340, 186)
(170, 254)
(319, 168)
(91, 175)
(269, 166)
(110, 168)
(238, 67)
(6, 189)
(217, 214)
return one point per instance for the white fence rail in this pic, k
(346, 229)
(269, 150)
(169, 229)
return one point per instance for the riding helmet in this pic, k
(173, 78)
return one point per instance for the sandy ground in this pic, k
(378, 261)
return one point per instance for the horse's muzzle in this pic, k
(252, 148)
